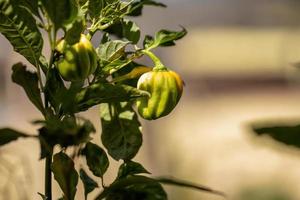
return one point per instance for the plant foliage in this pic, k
(60, 102)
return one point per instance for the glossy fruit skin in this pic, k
(165, 88)
(78, 61)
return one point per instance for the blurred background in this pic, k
(238, 65)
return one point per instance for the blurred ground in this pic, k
(237, 64)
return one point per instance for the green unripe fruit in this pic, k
(165, 88)
(78, 60)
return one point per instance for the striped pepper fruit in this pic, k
(165, 88)
(78, 61)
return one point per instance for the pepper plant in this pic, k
(79, 75)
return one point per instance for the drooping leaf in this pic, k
(65, 174)
(88, 183)
(29, 81)
(131, 168)
(121, 133)
(61, 12)
(46, 144)
(96, 158)
(19, 27)
(55, 89)
(285, 134)
(106, 93)
(112, 50)
(181, 183)
(68, 98)
(136, 7)
(134, 188)
(66, 132)
(163, 38)
(8, 135)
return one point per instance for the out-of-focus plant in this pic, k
(78, 76)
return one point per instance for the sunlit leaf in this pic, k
(125, 29)
(96, 6)
(61, 12)
(112, 50)
(19, 27)
(163, 38)
(136, 8)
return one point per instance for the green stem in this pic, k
(157, 63)
(52, 41)
(48, 173)
(48, 178)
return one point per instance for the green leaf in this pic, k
(181, 183)
(106, 93)
(125, 29)
(285, 134)
(134, 188)
(68, 131)
(163, 38)
(136, 8)
(88, 183)
(105, 38)
(65, 174)
(95, 7)
(131, 31)
(19, 27)
(96, 158)
(55, 89)
(121, 133)
(131, 168)
(74, 31)
(112, 50)
(115, 65)
(31, 5)
(68, 97)
(29, 81)
(43, 64)
(8, 135)
(61, 12)
(46, 143)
